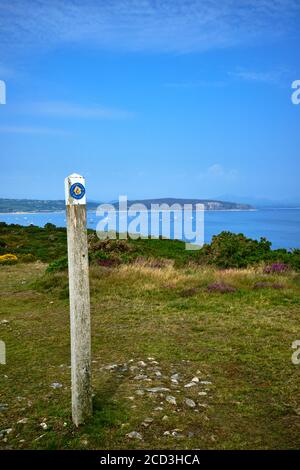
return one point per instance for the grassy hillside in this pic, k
(215, 339)
(236, 342)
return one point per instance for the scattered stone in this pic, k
(111, 367)
(165, 418)
(140, 377)
(23, 421)
(177, 434)
(154, 363)
(202, 394)
(4, 322)
(175, 377)
(190, 384)
(5, 432)
(167, 433)
(195, 379)
(44, 426)
(171, 400)
(140, 392)
(190, 403)
(141, 364)
(135, 435)
(158, 373)
(147, 422)
(158, 389)
(40, 437)
(205, 382)
(130, 398)
(158, 408)
(150, 359)
(56, 385)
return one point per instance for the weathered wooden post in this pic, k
(79, 298)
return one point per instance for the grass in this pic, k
(240, 341)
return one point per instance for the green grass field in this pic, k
(237, 343)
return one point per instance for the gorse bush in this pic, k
(8, 259)
(230, 250)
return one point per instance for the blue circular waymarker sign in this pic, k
(77, 191)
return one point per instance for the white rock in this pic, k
(140, 377)
(190, 384)
(177, 434)
(158, 389)
(135, 435)
(171, 400)
(111, 367)
(175, 377)
(195, 379)
(165, 418)
(140, 392)
(56, 385)
(202, 394)
(44, 426)
(148, 420)
(205, 382)
(190, 402)
(158, 408)
(23, 421)
(150, 358)
(141, 364)
(167, 433)
(158, 373)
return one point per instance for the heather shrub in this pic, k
(221, 287)
(275, 268)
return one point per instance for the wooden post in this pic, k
(79, 298)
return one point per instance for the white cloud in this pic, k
(28, 130)
(196, 84)
(6, 72)
(164, 26)
(71, 110)
(218, 172)
(275, 77)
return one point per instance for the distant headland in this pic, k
(39, 205)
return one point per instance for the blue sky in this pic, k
(150, 98)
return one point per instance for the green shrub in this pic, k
(230, 250)
(59, 265)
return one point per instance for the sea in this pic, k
(280, 226)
